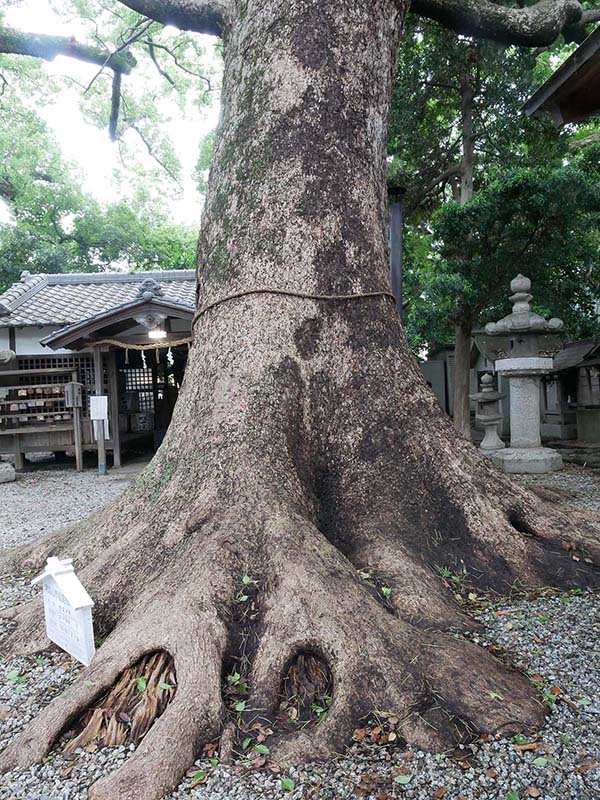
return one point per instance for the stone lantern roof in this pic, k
(522, 319)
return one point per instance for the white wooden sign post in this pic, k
(68, 609)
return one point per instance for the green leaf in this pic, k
(262, 749)
(287, 784)
(246, 580)
(403, 779)
(14, 677)
(472, 596)
(241, 706)
(142, 684)
(512, 796)
(214, 762)
(165, 686)
(496, 696)
(540, 761)
(246, 743)
(88, 683)
(386, 592)
(199, 777)
(519, 739)
(234, 678)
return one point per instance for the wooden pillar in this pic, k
(396, 223)
(77, 434)
(113, 404)
(19, 455)
(99, 390)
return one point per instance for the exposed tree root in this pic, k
(342, 647)
(294, 637)
(126, 713)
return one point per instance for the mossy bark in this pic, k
(307, 454)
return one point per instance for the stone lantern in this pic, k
(522, 345)
(488, 413)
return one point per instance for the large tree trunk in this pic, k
(307, 458)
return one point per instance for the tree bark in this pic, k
(307, 459)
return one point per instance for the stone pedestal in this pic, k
(526, 454)
(528, 461)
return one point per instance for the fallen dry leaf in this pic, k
(439, 793)
(529, 746)
(533, 791)
(585, 766)
(491, 773)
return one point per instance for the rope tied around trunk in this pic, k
(287, 293)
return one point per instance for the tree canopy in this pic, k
(459, 261)
(53, 225)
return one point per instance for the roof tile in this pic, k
(71, 297)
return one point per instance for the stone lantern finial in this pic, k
(521, 297)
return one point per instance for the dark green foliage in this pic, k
(542, 222)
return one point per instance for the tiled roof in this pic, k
(575, 353)
(70, 297)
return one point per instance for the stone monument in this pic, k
(522, 345)
(488, 413)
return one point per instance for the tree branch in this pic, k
(200, 16)
(577, 143)
(530, 26)
(443, 178)
(178, 64)
(41, 45)
(115, 106)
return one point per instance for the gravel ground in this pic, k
(581, 487)
(43, 500)
(555, 639)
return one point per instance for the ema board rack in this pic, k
(36, 414)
